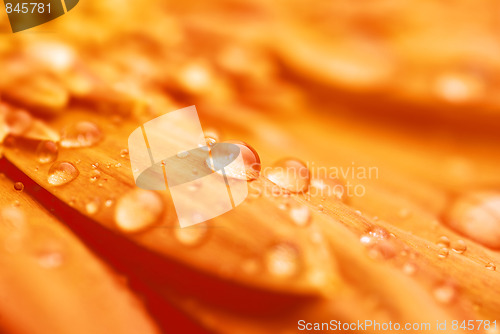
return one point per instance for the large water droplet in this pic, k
(193, 235)
(234, 169)
(47, 152)
(81, 134)
(62, 172)
(137, 210)
(477, 216)
(283, 260)
(290, 174)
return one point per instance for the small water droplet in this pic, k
(124, 153)
(234, 169)
(301, 215)
(95, 165)
(443, 242)
(182, 154)
(61, 173)
(47, 152)
(290, 174)
(321, 208)
(95, 175)
(108, 203)
(491, 266)
(193, 235)
(477, 216)
(443, 252)
(92, 206)
(118, 165)
(137, 210)
(283, 260)
(327, 187)
(459, 86)
(50, 259)
(459, 247)
(19, 186)
(445, 293)
(409, 268)
(81, 134)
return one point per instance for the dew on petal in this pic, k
(47, 152)
(138, 210)
(290, 174)
(81, 134)
(62, 172)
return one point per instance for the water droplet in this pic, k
(327, 187)
(477, 216)
(443, 253)
(290, 174)
(62, 172)
(445, 293)
(182, 154)
(283, 260)
(301, 215)
(233, 170)
(137, 210)
(491, 266)
(81, 134)
(321, 208)
(108, 203)
(118, 165)
(50, 259)
(124, 153)
(95, 165)
(409, 268)
(95, 175)
(92, 206)
(19, 186)
(443, 242)
(195, 77)
(193, 235)
(47, 152)
(18, 121)
(459, 247)
(211, 137)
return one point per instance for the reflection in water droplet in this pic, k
(459, 246)
(193, 235)
(137, 210)
(301, 215)
(444, 293)
(47, 152)
(50, 259)
(290, 174)
(19, 186)
(62, 172)
(491, 266)
(477, 216)
(443, 253)
(233, 170)
(82, 134)
(283, 260)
